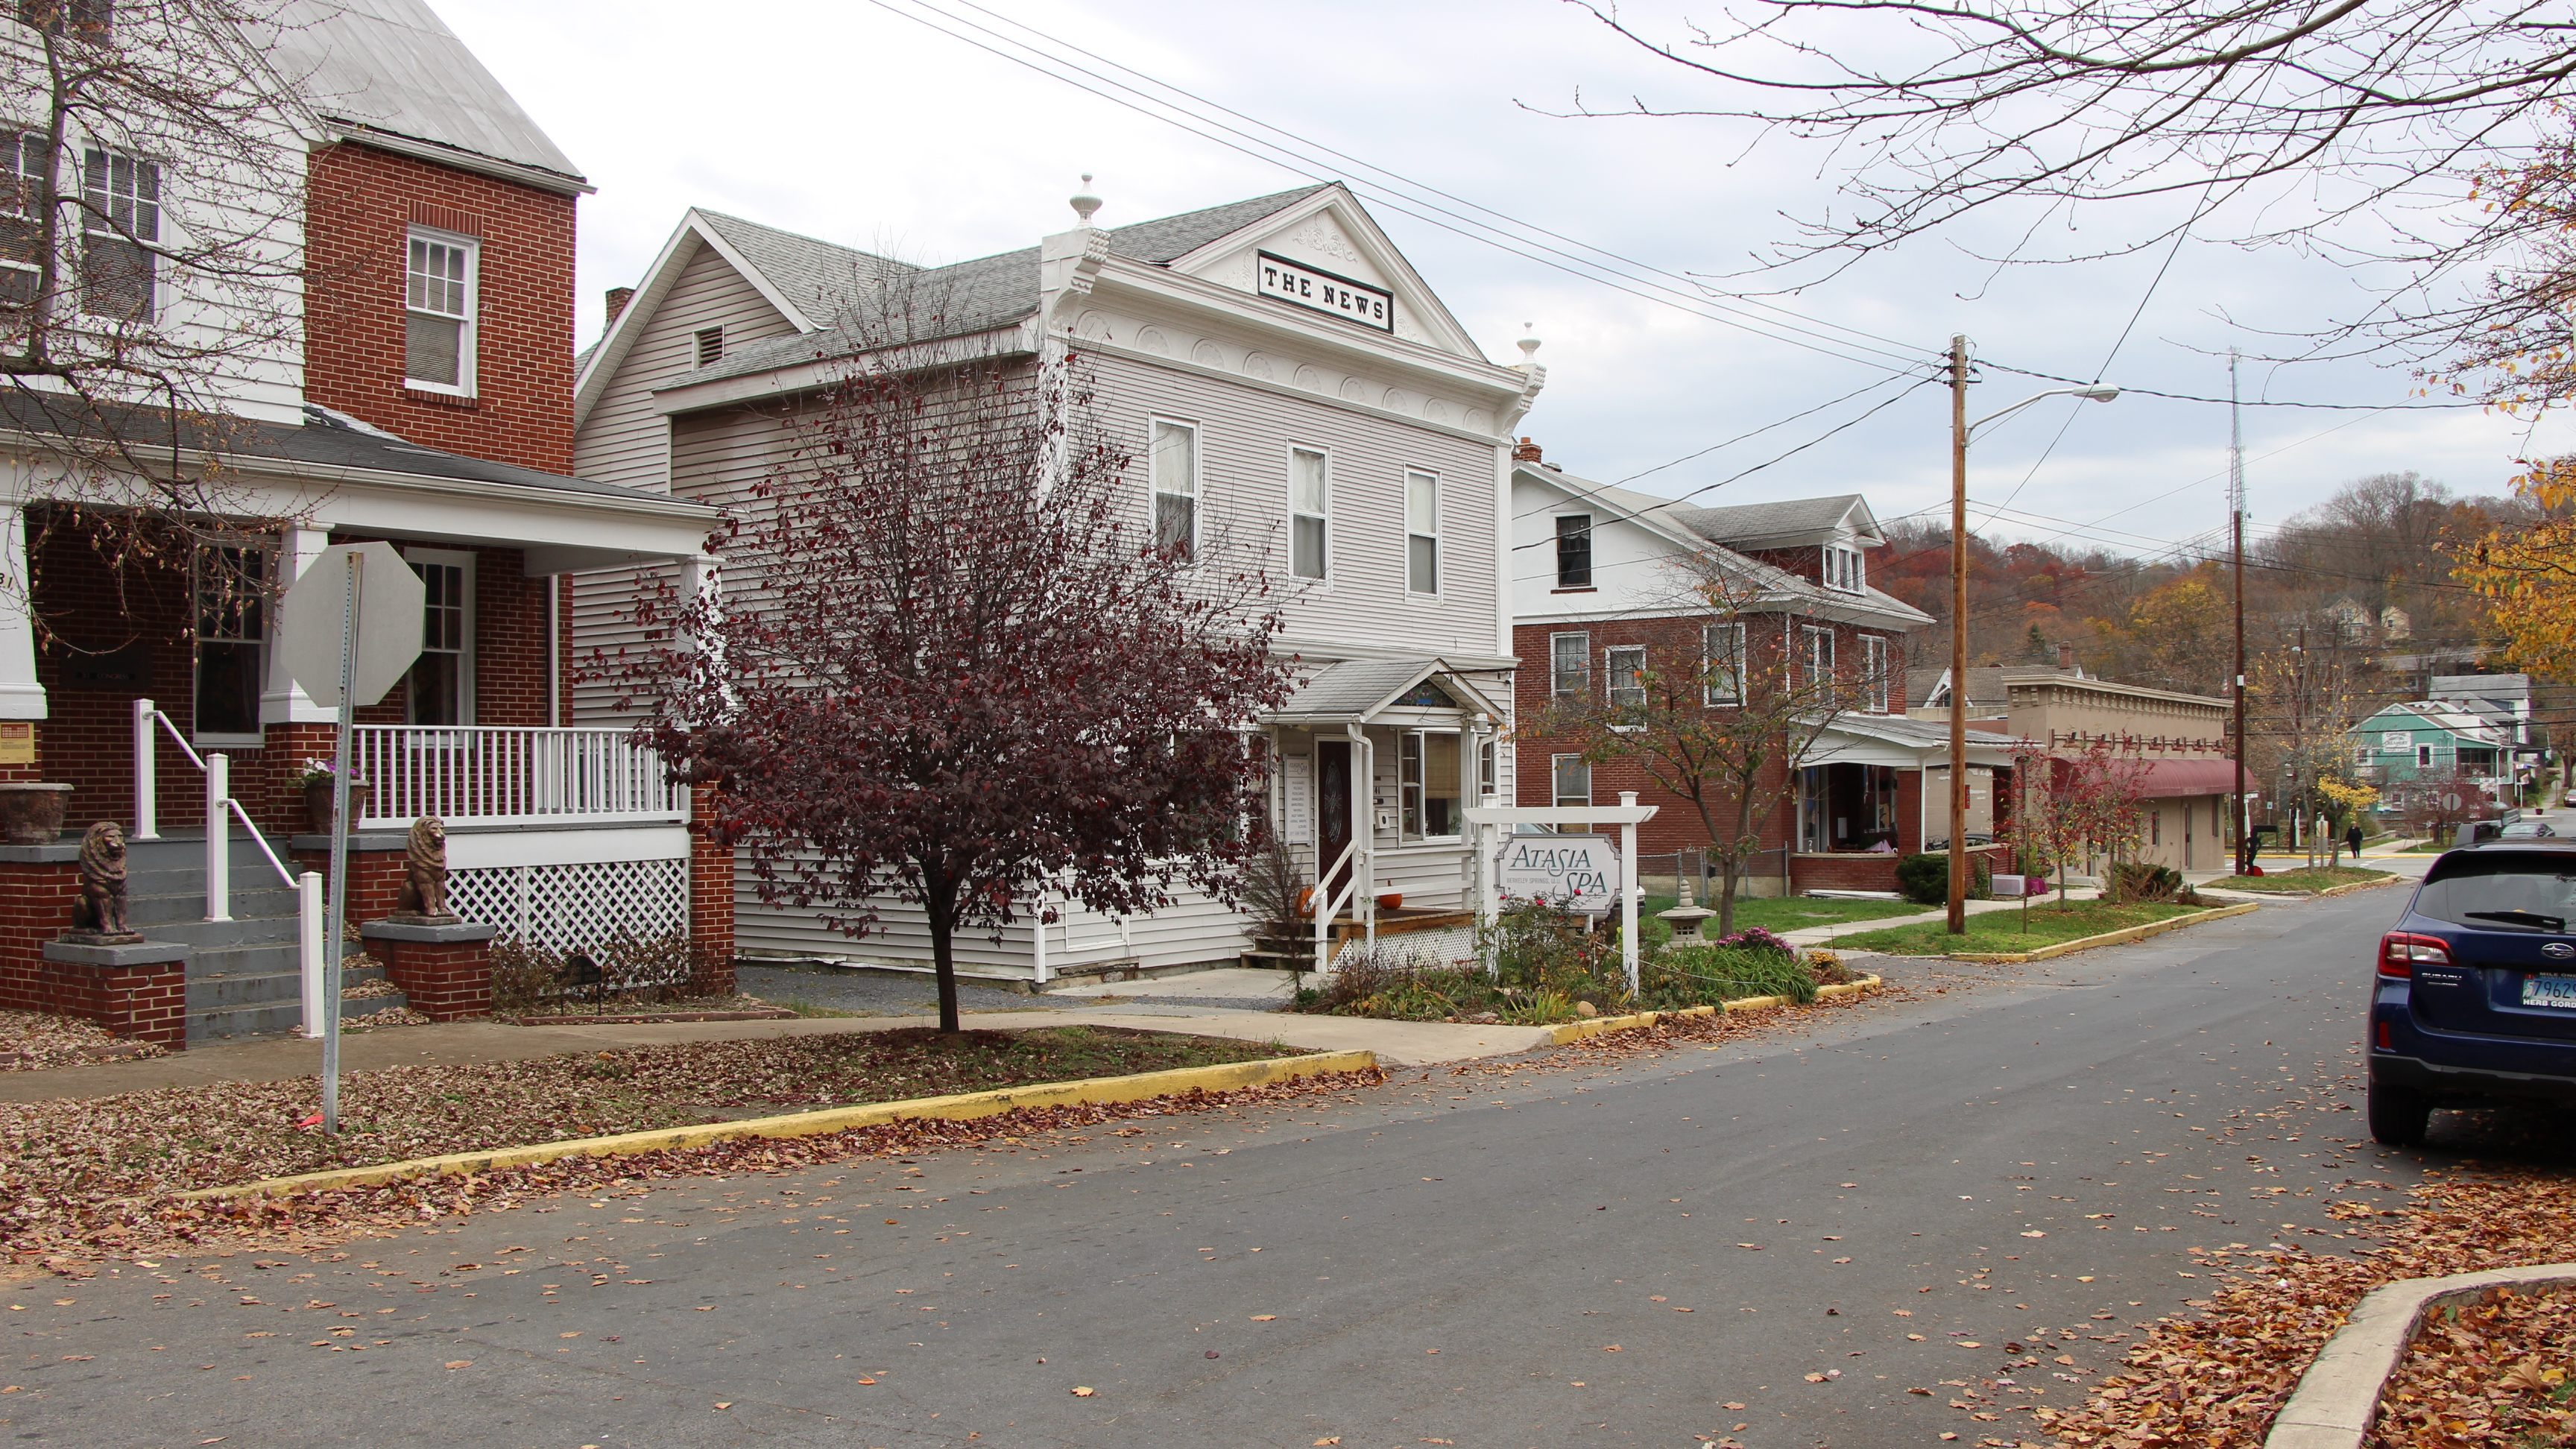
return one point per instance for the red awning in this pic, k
(2191, 777)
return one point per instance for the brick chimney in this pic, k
(1526, 452)
(618, 297)
(2065, 657)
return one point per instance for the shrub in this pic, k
(1828, 969)
(1925, 879)
(2134, 881)
(1749, 963)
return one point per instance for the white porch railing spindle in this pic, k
(493, 775)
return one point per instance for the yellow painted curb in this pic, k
(2349, 887)
(2119, 937)
(1574, 1031)
(963, 1107)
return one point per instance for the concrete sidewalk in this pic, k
(1825, 935)
(1397, 1043)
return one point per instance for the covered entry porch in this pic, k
(1872, 789)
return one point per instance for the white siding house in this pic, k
(1350, 440)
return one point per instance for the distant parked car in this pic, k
(2474, 997)
(2526, 830)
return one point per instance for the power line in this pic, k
(1698, 290)
(1299, 165)
(2194, 397)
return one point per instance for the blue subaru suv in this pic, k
(2474, 1001)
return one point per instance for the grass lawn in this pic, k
(1791, 913)
(177, 1138)
(1999, 931)
(2300, 880)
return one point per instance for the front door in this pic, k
(1332, 813)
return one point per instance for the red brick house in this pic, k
(423, 399)
(1601, 593)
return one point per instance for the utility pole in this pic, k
(1958, 923)
(2236, 527)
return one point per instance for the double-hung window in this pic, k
(25, 169)
(1873, 660)
(1624, 669)
(440, 687)
(1574, 551)
(231, 632)
(439, 285)
(1573, 780)
(1175, 470)
(1722, 664)
(2423, 757)
(1843, 569)
(1569, 667)
(120, 224)
(1422, 533)
(1309, 513)
(1819, 646)
(1427, 781)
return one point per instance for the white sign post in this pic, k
(1490, 818)
(351, 627)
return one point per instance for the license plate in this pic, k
(2557, 991)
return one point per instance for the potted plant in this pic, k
(318, 780)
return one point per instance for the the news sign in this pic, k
(1579, 872)
(1312, 287)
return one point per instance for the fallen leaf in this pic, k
(2034, 1233)
(1927, 1393)
(867, 1381)
(460, 1363)
(1084, 1392)
(1815, 1378)
(1265, 1318)
(1321, 1443)
(726, 1404)
(1737, 1408)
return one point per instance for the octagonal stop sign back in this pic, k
(390, 599)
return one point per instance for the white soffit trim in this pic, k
(1361, 228)
(491, 849)
(462, 160)
(1235, 307)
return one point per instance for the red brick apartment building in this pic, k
(424, 400)
(1602, 591)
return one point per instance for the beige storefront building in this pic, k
(2181, 738)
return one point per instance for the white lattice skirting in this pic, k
(1455, 946)
(575, 907)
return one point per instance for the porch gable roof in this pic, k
(1355, 691)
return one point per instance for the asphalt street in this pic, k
(1983, 1190)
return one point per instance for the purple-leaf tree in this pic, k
(953, 664)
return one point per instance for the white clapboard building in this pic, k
(1344, 431)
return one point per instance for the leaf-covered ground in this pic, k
(36, 1041)
(2215, 1381)
(63, 1163)
(2488, 1374)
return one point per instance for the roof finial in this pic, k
(1528, 345)
(1084, 203)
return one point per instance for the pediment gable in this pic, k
(1326, 255)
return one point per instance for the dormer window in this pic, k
(1844, 570)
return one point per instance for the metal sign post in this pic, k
(378, 612)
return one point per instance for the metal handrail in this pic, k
(262, 842)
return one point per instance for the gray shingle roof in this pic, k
(1353, 688)
(966, 297)
(393, 65)
(1770, 525)
(814, 276)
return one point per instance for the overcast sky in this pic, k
(850, 122)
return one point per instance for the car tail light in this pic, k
(2400, 952)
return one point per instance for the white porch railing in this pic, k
(472, 775)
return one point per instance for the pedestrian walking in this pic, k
(2352, 841)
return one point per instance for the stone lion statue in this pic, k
(424, 887)
(99, 909)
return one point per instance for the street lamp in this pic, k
(1960, 431)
